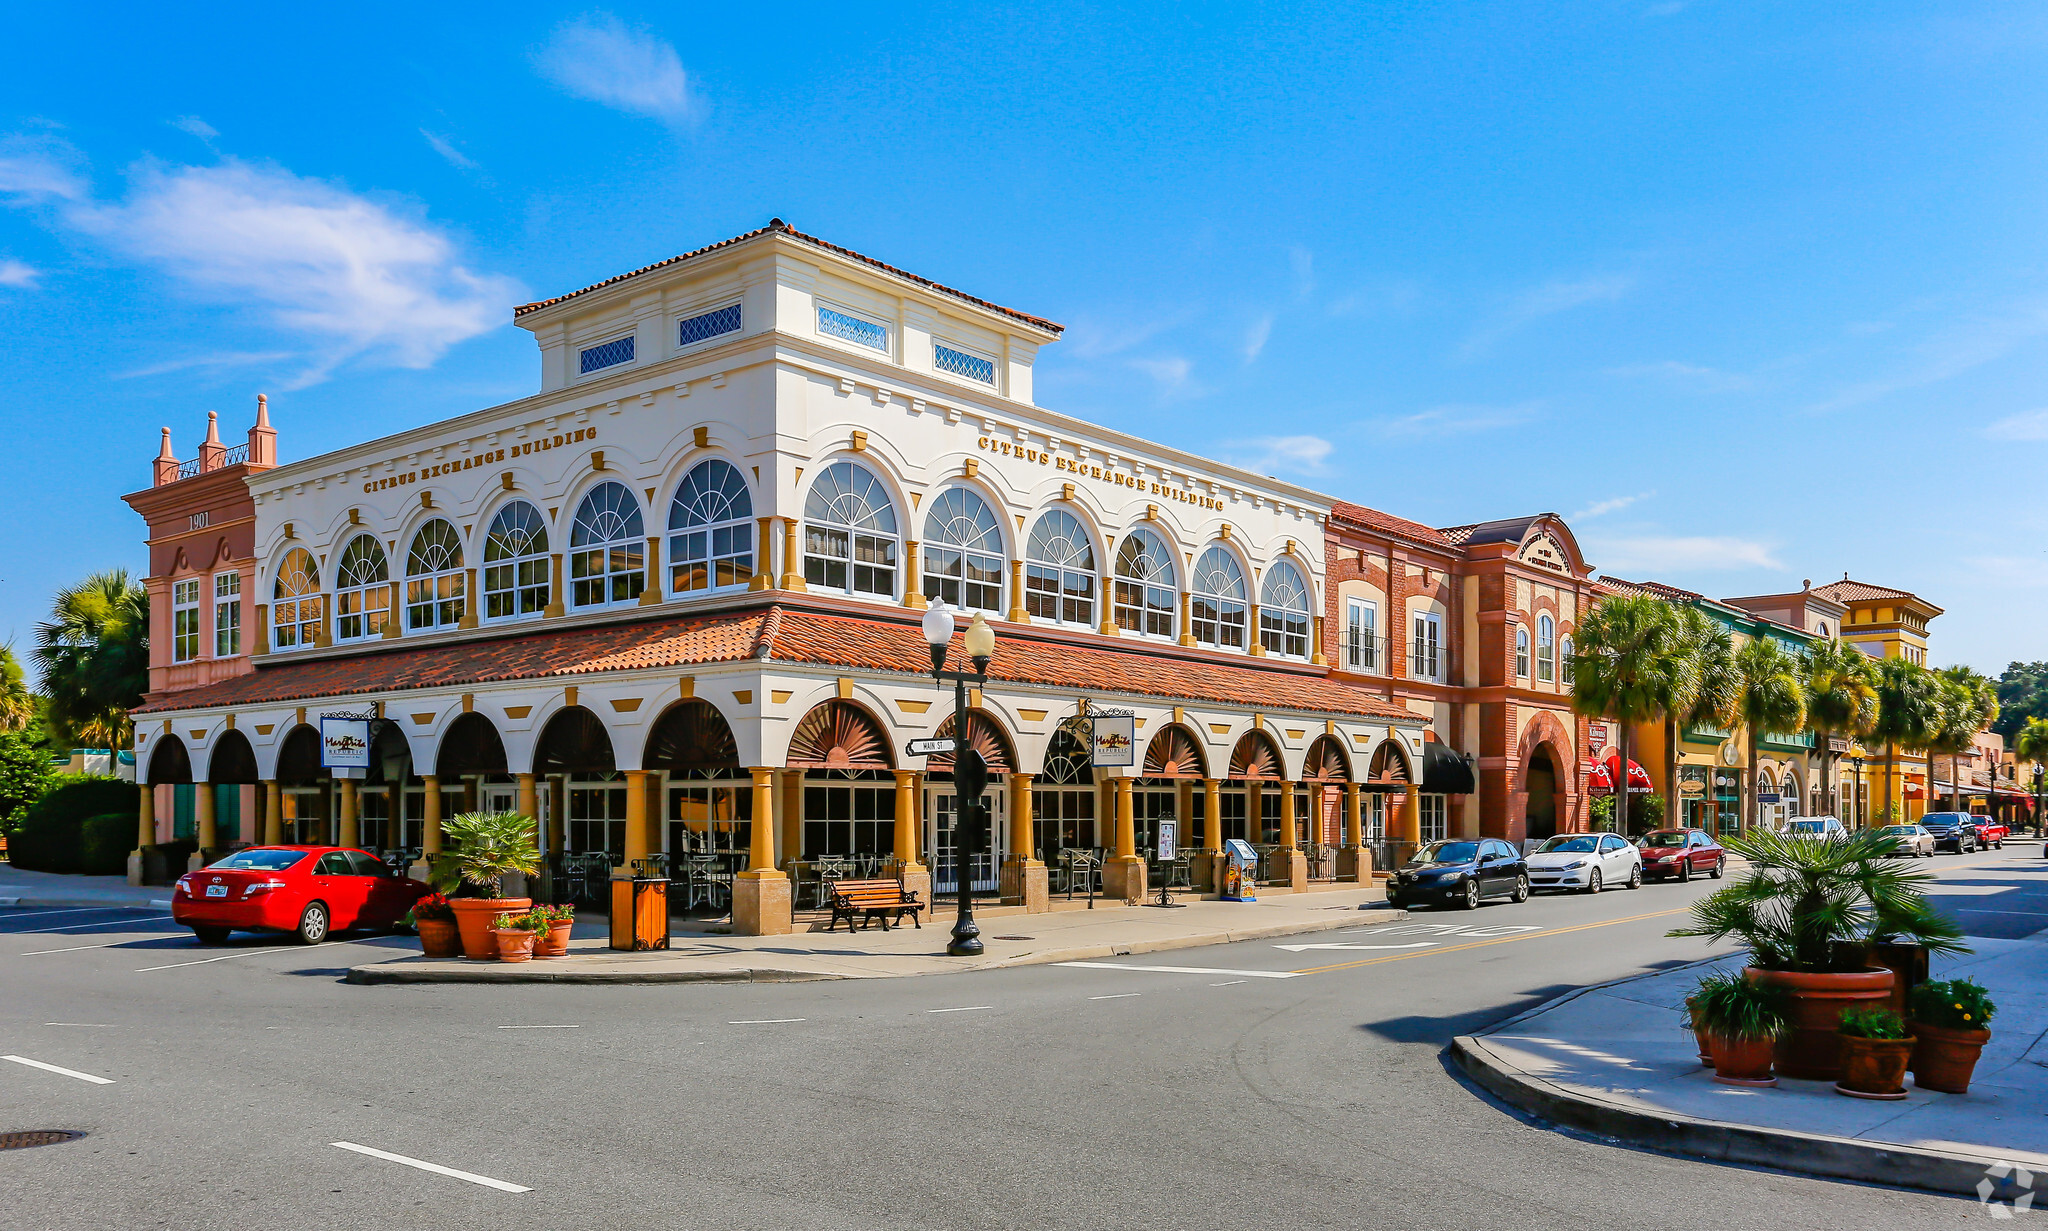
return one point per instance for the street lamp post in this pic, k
(1858, 762)
(970, 772)
(2040, 828)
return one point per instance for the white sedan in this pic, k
(1913, 841)
(1585, 861)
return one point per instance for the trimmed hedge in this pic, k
(52, 834)
(104, 843)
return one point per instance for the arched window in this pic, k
(1564, 660)
(963, 552)
(1145, 588)
(295, 604)
(1521, 653)
(516, 581)
(1059, 571)
(607, 548)
(1283, 611)
(1546, 648)
(850, 533)
(710, 530)
(434, 584)
(1216, 604)
(362, 591)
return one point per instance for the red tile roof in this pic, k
(1360, 517)
(791, 634)
(779, 226)
(1655, 589)
(1847, 591)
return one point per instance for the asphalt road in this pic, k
(1262, 1086)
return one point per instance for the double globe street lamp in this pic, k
(970, 772)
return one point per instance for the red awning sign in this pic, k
(1601, 780)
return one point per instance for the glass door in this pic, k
(984, 868)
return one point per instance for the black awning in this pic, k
(1445, 772)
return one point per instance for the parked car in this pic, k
(308, 891)
(1681, 853)
(1914, 842)
(1585, 861)
(1953, 831)
(1461, 871)
(1826, 828)
(1991, 832)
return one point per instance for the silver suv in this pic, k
(1823, 827)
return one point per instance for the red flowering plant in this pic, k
(433, 906)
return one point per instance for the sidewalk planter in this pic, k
(1742, 1062)
(555, 941)
(439, 938)
(514, 944)
(1699, 1032)
(1874, 1068)
(1908, 964)
(1943, 1059)
(474, 917)
(1811, 1049)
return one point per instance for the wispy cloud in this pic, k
(1172, 373)
(1600, 508)
(1256, 337)
(2027, 425)
(1303, 262)
(218, 361)
(1547, 300)
(195, 126)
(1950, 351)
(1653, 555)
(1698, 376)
(446, 149)
(18, 274)
(1459, 418)
(1091, 337)
(1280, 454)
(36, 170)
(599, 58)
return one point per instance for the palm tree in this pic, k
(1841, 701)
(1628, 663)
(1709, 696)
(2030, 743)
(94, 655)
(17, 703)
(1970, 704)
(1770, 699)
(1907, 708)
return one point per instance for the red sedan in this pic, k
(1683, 853)
(1990, 832)
(306, 890)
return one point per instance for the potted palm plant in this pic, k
(435, 923)
(483, 847)
(1951, 1023)
(1799, 898)
(1875, 1049)
(1742, 1021)
(514, 935)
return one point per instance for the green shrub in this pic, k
(1735, 1007)
(51, 835)
(1872, 1024)
(104, 843)
(1957, 1004)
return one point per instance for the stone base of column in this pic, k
(195, 861)
(420, 871)
(1123, 878)
(135, 867)
(1295, 873)
(1205, 868)
(1354, 863)
(761, 905)
(916, 878)
(1026, 883)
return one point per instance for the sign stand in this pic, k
(1166, 853)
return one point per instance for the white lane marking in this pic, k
(1232, 983)
(1185, 970)
(80, 910)
(574, 1026)
(769, 1021)
(436, 1168)
(37, 1064)
(1420, 944)
(965, 1008)
(143, 970)
(1118, 996)
(80, 927)
(76, 948)
(108, 1025)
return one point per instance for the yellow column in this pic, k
(1021, 829)
(913, 584)
(1187, 630)
(906, 817)
(351, 832)
(1212, 803)
(652, 590)
(145, 817)
(764, 564)
(1018, 615)
(1126, 822)
(792, 814)
(273, 813)
(202, 812)
(792, 560)
(556, 598)
(636, 813)
(761, 848)
(1287, 836)
(430, 825)
(529, 802)
(1411, 816)
(1353, 823)
(1257, 646)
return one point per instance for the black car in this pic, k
(1953, 831)
(1461, 871)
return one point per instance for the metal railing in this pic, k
(1363, 652)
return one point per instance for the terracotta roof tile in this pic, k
(1386, 523)
(1847, 591)
(1655, 589)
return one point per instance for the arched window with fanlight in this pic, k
(710, 530)
(1546, 648)
(362, 590)
(1564, 660)
(1059, 571)
(436, 591)
(607, 548)
(296, 603)
(963, 552)
(1283, 611)
(1217, 603)
(516, 566)
(850, 534)
(1521, 653)
(1146, 590)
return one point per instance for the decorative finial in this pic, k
(165, 454)
(212, 427)
(777, 224)
(262, 411)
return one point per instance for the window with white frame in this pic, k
(516, 565)
(1564, 660)
(1375, 816)
(362, 590)
(1059, 570)
(185, 620)
(710, 530)
(849, 327)
(1434, 818)
(850, 535)
(605, 355)
(607, 548)
(295, 604)
(1425, 655)
(1217, 603)
(436, 590)
(707, 325)
(1546, 649)
(1146, 591)
(963, 552)
(959, 362)
(1521, 653)
(1361, 635)
(1283, 611)
(227, 615)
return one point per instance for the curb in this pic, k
(86, 903)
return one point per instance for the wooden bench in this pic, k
(871, 900)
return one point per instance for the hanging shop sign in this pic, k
(344, 742)
(1114, 742)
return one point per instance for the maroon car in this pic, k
(1681, 853)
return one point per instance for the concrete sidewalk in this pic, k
(20, 887)
(1011, 939)
(1618, 1060)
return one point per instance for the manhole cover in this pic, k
(1016, 938)
(37, 1137)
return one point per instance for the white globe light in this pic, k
(938, 624)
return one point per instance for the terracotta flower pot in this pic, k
(474, 917)
(1699, 1034)
(514, 944)
(439, 937)
(1742, 1062)
(1944, 1059)
(1874, 1068)
(1811, 1049)
(555, 941)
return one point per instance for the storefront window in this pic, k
(1217, 607)
(1435, 816)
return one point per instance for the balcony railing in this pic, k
(1360, 651)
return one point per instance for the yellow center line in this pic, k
(1494, 940)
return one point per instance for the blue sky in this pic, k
(1751, 292)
